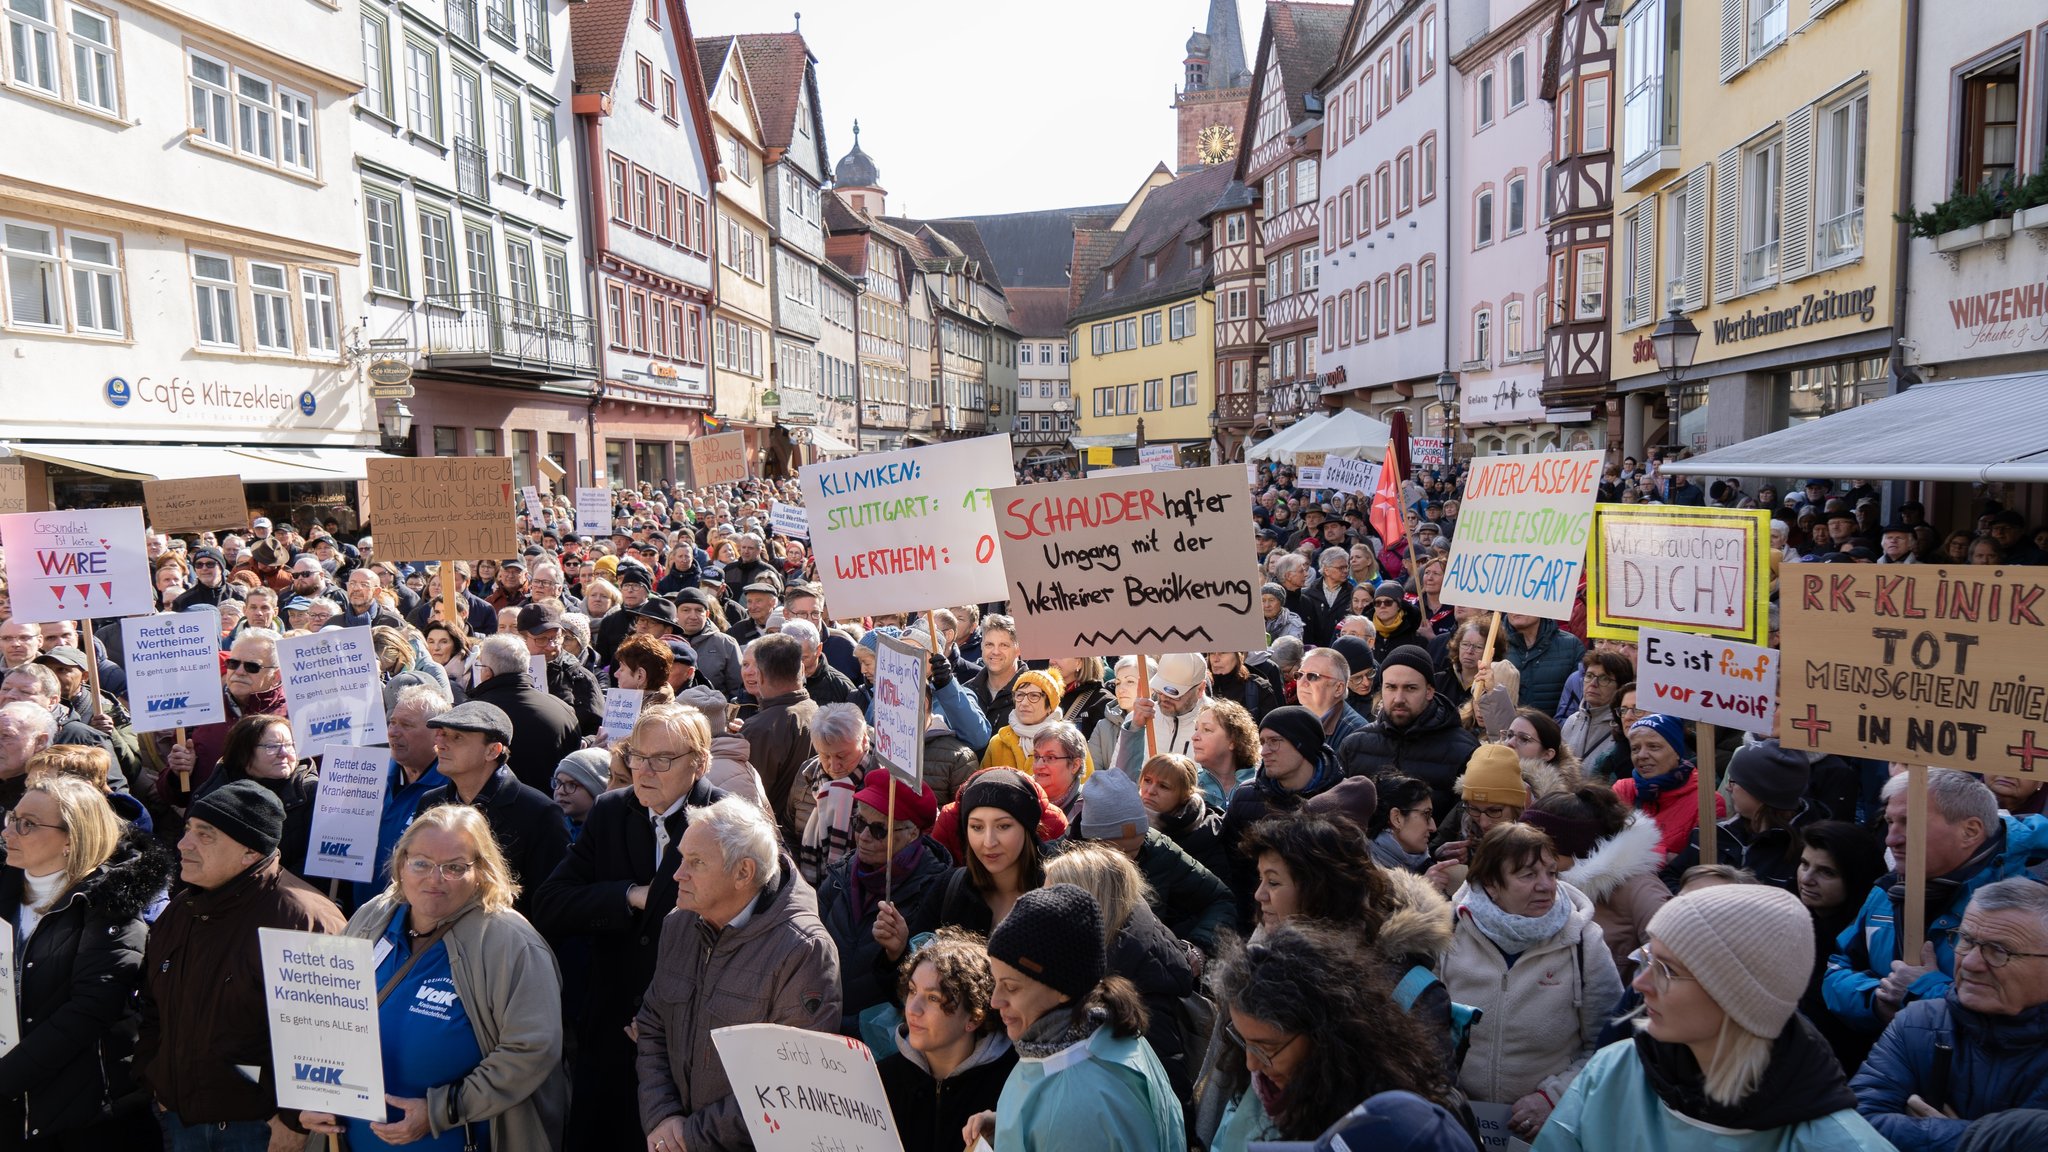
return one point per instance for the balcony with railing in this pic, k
(499, 20)
(1235, 409)
(462, 21)
(507, 337)
(472, 170)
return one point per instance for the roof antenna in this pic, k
(799, 23)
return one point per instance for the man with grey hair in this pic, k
(414, 772)
(1969, 844)
(1325, 603)
(744, 944)
(821, 800)
(1059, 754)
(824, 683)
(1948, 1061)
(39, 685)
(544, 728)
(363, 608)
(26, 728)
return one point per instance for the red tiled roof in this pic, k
(777, 63)
(597, 32)
(1162, 230)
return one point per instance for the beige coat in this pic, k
(1620, 877)
(509, 984)
(1543, 1015)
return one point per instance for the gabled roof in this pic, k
(598, 30)
(1165, 230)
(1092, 249)
(1034, 249)
(1038, 312)
(711, 53)
(1308, 37)
(781, 65)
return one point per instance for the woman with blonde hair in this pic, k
(600, 596)
(74, 892)
(469, 999)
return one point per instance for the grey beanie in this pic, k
(590, 767)
(1110, 807)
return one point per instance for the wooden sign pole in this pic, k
(90, 647)
(1916, 864)
(448, 609)
(1708, 828)
(1145, 693)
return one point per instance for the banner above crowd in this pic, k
(1703, 570)
(1522, 531)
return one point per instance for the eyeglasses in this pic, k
(1265, 1054)
(636, 760)
(1383, 602)
(875, 829)
(1513, 737)
(419, 868)
(1050, 757)
(250, 666)
(1661, 974)
(1313, 678)
(1631, 712)
(1995, 954)
(23, 826)
(273, 747)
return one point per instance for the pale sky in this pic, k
(973, 107)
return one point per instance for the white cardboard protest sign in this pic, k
(325, 1049)
(1147, 564)
(1251, 473)
(789, 519)
(621, 709)
(10, 1015)
(1428, 452)
(173, 669)
(1493, 1127)
(593, 511)
(1706, 678)
(802, 1091)
(1522, 531)
(1160, 457)
(346, 813)
(909, 530)
(1308, 469)
(900, 708)
(535, 518)
(1346, 474)
(332, 689)
(74, 565)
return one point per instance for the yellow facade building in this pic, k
(1143, 332)
(1757, 147)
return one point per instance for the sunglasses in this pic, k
(874, 829)
(250, 666)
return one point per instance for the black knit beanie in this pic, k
(246, 812)
(1054, 936)
(1410, 656)
(1006, 790)
(1299, 727)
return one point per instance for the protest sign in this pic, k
(1160, 457)
(10, 1021)
(1101, 455)
(1428, 452)
(1918, 663)
(332, 690)
(1145, 564)
(346, 813)
(535, 517)
(1348, 475)
(593, 511)
(199, 504)
(1494, 1133)
(1125, 470)
(326, 1054)
(13, 486)
(621, 709)
(1522, 532)
(908, 530)
(1702, 570)
(720, 459)
(1251, 473)
(442, 508)
(1308, 469)
(900, 708)
(85, 563)
(804, 1091)
(173, 669)
(788, 519)
(1708, 679)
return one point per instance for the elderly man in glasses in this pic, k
(1980, 1049)
(252, 685)
(615, 886)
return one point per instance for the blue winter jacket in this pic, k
(1544, 665)
(1867, 947)
(1998, 1063)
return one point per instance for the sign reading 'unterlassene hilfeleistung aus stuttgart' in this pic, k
(1816, 308)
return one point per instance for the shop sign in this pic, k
(2002, 320)
(1814, 308)
(388, 371)
(231, 404)
(1501, 400)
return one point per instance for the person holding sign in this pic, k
(253, 685)
(469, 1001)
(1665, 784)
(204, 1049)
(73, 893)
(898, 861)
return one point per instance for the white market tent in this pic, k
(1346, 432)
(1269, 448)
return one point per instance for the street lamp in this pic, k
(1675, 339)
(1447, 397)
(396, 426)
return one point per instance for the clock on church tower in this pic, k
(1216, 144)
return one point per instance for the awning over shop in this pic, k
(1973, 430)
(255, 465)
(831, 445)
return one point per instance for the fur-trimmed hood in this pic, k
(1418, 929)
(136, 874)
(1543, 778)
(1633, 851)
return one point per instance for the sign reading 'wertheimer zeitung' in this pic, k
(1816, 308)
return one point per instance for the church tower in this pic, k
(1216, 89)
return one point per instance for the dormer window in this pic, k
(1151, 268)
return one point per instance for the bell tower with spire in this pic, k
(1216, 89)
(858, 181)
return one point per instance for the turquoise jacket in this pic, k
(1104, 1094)
(1244, 1120)
(1611, 1105)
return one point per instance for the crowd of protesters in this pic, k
(1392, 879)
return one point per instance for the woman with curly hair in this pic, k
(952, 1055)
(1310, 1029)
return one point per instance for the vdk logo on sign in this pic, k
(168, 704)
(338, 848)
(316, 1073)
(334, 727)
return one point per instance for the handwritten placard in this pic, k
(68, 565)
(804, 1091)
(908, 530)
(197, 504)
(1160, 457)
(621, 709)
(173, 666)
(1428, 452)
(1918, 663)
(1308, 469)
(900, 708)
(1350, 475)
(1132, 564)
(789, 520)
(443, 508)
(347, 812)
(332, 689)
(1703, 570)
(720, 459)
(13, 486)
(1522, 533)
(536, 518)
(325, 1050)
(1706, 678)
(593, 511)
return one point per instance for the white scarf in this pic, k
(1026, 733)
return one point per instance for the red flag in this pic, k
(1386, 505)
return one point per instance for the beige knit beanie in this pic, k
(1749, 945)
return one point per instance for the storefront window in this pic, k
(447, 442)
(522, 459)
(559, 450)
(483, 442)
(615, 463)
(651, 463)
(1823, 389)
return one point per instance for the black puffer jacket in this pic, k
(1149, 956)
(1768, 853)
(80, 974)
(1433, 749)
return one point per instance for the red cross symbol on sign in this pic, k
(2027, 751)
(1813, 726)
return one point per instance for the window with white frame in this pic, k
(1485, 98)
(376, 93)
(1678, 202)
(35, 286)
(1761, 212)
(1426, 306)
(422, 89)
(295, 130)
(1593, 115)
(317, 302)
(213, 299)
(547, 173)
(1518, 79)
(437, 260)
(1153, 400)
(469, 111)
(1518, 204)
(1839, 218)
(94, 71)
(255, 122)
(32, 44)
(1152, 327)
(1307, 180)
(511, 154)
(1987, 128)
(211, 100)
(1311, 270)
(1589, 301)
(1233, 227)
(1511, 328)
(1237, 304)
(1404, 296)
(519, 277)
(1633, 248)
(1766, 25)
(271, 300)
(1649, 114)
(1425, 159)
(385, 243)
(1183, 390)
(95, 283)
